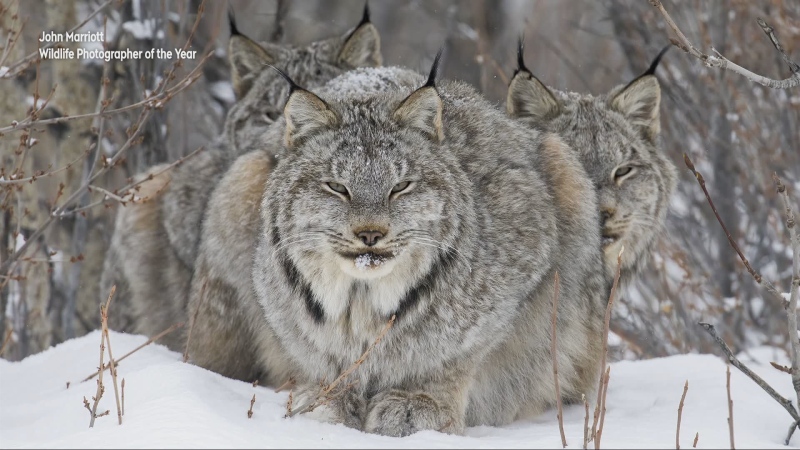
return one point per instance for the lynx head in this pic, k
(364, 192)
(617, 137)
(260, 90)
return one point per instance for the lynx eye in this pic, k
(338, 188)
(622, 171)
(400, 187)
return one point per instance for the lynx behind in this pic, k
(154, 246)
(616, 136)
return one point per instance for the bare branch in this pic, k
(554, 354)
(723, 63)
(759, 279)
(786, 403)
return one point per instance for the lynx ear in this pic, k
(529, 97)
(306, 114)
(639, 101)
(362, 47)
(422, 110)
(245, 57)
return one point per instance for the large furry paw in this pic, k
(346, 408)
(401, 413)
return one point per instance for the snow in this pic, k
(171, 404)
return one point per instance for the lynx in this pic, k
(616, 136)
(154, 245)
(427, 205)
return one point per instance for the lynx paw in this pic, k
(400, 413)
(347, 408)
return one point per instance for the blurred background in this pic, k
(737, 133)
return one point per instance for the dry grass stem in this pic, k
(250, 411)
(680, 412)
(325, 393)
(194, 319)
(554, 354)
(730, 404)
(696, 437)
(123, 396)
(149, 341)
(723, 63)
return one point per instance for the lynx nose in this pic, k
(370, 237)
(605, 214)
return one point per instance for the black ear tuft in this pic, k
(521, 56)
(232, 21)
(365, 18)
(292, 85)
(434, 69)
(654, 65)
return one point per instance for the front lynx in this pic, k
(431, 206)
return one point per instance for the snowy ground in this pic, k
(170, 404)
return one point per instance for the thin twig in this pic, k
(723, 63)
(781, 367)
(585, 423)
(696, 438)
(287, 384)
(791, 308)
(100, 388)
(111, 363)
(6, 339)
(700, 180)
(194, 319)
(123, 396)
(680, 411)
(309, 406)
(607, 322)
(554, 354)
(730, 404)
(149, 341)
(786, 403)
(250, 411)
(602, 401)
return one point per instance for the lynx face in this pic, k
(369, 197)
(260, 90)
(616, 136)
